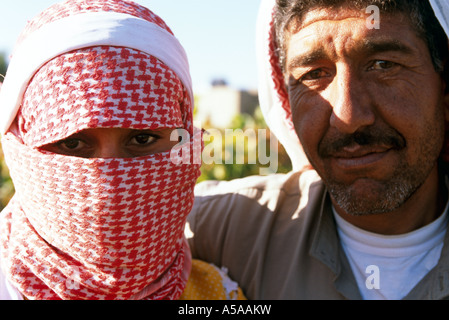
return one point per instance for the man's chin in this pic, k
(369, 198)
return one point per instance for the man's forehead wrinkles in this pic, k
(328, 21)
(319, 14)
(320, 40)
(321, 20)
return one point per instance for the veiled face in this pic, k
(114, 143)
(367, 105)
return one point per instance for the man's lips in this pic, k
(361, 150)
(357, 157)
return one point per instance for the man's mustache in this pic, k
(368, 137)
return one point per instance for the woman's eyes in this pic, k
(142, 139)
(113, 142)
(82, 146)
(71, 144)
(75, 143)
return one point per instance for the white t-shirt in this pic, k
(388, 267)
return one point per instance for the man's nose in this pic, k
(352, 106)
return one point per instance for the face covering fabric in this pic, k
(97, 228)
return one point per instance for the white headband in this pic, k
(441, 9)
(81, 31)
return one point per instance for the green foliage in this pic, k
(223, 171)
(6, 186)
(3, 65)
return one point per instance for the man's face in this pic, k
(367, 105)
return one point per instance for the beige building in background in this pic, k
(218, 105)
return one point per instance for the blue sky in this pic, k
(218, 35)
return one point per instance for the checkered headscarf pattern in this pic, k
(113, 225)
(97, 228)
(100, 87)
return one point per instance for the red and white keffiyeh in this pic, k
(96, 228)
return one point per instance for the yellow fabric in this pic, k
(207, 283)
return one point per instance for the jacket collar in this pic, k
(435, 285)
(326, 248)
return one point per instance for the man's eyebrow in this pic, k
(371, 47)
(307, 58)
(368, 47)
